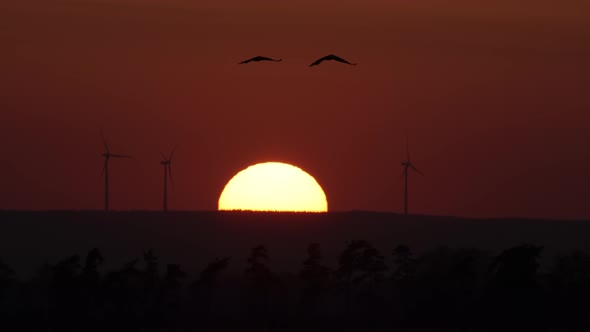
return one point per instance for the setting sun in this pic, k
(273, 186)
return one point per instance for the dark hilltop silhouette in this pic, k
(331, 57)
(259, 58)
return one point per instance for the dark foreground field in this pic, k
(267, 270)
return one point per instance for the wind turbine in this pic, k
(167, 163)
(105, 170)
(407, 165)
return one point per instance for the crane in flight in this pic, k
(259, 58)
(331, 57)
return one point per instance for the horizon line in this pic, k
(392, 213)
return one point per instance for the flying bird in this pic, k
(331, 57)
(260, 58)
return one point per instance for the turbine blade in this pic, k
(170, 174)
(163, 156)
(173, 151)
(104, 141)
(416, 170)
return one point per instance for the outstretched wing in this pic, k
(248, 60)
(331, 57)
(318, 61)
(339, 59)
(259, 58)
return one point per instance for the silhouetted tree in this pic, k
(65, 291)
(90, 284)
(466, 278)
(316, 279)
(39, 288)
(151, 270)
(440, 288)
(6, 278)
(123, 292)
(517, 266)
(209, 276)
(173, 282)
(514, 292)
(360, 262)
(7, 281)
(174, 276)
(90, 272)
(404, 264)
(204, 287)
(66, 271)
(403, 277)
(259, 278)
(361, 267)
(258, 271)
(445, 285)
(152, 293)
(569, 285)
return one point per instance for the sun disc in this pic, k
(273, 186)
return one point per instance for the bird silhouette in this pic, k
(260, 58)
(331, 57)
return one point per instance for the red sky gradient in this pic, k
(495, 98)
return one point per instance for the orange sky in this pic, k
(494, 97)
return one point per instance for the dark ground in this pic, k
(241, 271)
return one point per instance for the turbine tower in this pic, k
(167, 163)
(407, 165)
(105, 170)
